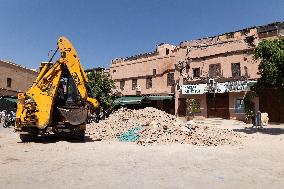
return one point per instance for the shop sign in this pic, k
(232, 86)
(194, 89)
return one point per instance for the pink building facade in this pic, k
(150, 74)
(15, 78)
(216, 62)
(217, 72)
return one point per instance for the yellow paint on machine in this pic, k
(36, 105)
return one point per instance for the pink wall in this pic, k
(220, 49)
(224, 49)
(142, 68)
(200, 97)
(232, 102)
(22, 78)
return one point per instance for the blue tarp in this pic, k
(131, 135)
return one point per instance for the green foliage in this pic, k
(249, 106)
(193, 106)
(101, 87)
(271, 68)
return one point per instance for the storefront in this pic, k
(215, 99)
(161, 102)
(271, 103)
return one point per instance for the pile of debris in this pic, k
(149, 125)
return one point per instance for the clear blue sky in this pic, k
(103, 30)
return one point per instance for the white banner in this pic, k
(232, 86)
(193, 89)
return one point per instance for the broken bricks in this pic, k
(159, 127)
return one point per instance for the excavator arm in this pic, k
(35, 107)
(69, 57)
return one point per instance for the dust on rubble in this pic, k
(154, 126)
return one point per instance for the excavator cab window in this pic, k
(72, 95)
(67, 91)
(61, 91)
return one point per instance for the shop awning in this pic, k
(251, 83)
(159, 97)
(14, 100)
(128, 100)
(9, 99)
(8, 103)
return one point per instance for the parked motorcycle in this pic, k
(2, 116)
(9, 119)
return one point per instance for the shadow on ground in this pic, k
(269, 131)
(53, 138)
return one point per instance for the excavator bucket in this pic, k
(74, 116)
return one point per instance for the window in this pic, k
(170, 79)
(246, 72)
(239, 105)
(149, 83)
(196, 72)
(214, 70)
(154, 71)
(187, 67)
(236, 70)
(114, 71)
(9, 82)
(122, 84)
(167, 51)
(134, 84)
(250, 41)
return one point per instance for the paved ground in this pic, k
(257, 163)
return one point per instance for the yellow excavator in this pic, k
(58, 100)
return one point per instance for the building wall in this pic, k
(246, 63)
(225, 49)
(232, 103)
(200, 97)
(141, 68)
(21, 78)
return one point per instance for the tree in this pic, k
(249, 106)
(101, 87)
(193, 106)
(271, 67)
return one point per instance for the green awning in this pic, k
(8, 103)
(14, 100)
(159, 97)
(8, 99)
(125, 100)
(251, 83)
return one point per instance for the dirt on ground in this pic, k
(256, 162)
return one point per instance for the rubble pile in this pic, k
(149, 125)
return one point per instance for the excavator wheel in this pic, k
(78, 133)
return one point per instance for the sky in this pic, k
(106, 29)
